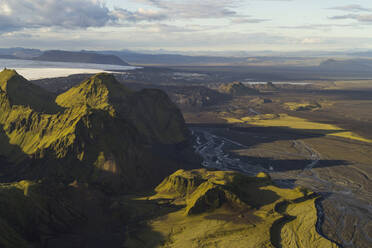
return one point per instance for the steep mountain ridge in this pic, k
(19, 91)
(150, 110)
(103, 133)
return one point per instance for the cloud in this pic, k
(138, 16)
(20, 14)
(352, 8)
(248, 20)
(194, 8)
(311, 41)
(317, 26)
(81, 14)
(365, 18)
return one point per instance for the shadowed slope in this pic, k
(21, 92)
(104, 135)
(149, 110)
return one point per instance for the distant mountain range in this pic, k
(62, 56)
(347, 65)
(173, 59)
(20, 53)
(80, 57)
(126, 57)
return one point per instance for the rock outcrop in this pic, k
(237, 89)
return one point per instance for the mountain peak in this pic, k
(5, 76)
(98, 92)
(19, 91)
(104, 131)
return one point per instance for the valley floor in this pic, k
(249, 137)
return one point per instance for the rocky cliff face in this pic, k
(98, 132)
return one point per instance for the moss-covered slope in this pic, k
(228, 209)
(19, 91)
(150, 110)
(102, 132)
(30, 213)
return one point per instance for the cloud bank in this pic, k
(23, 14)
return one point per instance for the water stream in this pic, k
(211, 149)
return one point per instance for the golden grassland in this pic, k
(284, 120)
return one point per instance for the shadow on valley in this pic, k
(137, 211)
(252, 135)
(237, 141)
(114, 222)
(354, 94)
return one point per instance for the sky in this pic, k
(187, 25)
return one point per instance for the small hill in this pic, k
(202, 208)
(102, 133)
(80, 57)
(237, 89)
(194, 97)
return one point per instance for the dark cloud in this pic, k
(20, 14)
(81, 14)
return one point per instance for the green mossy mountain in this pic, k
(150, 110)
(227, 209)
(100, 132)
(76, 171)
(18, 91)
(205, 190)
